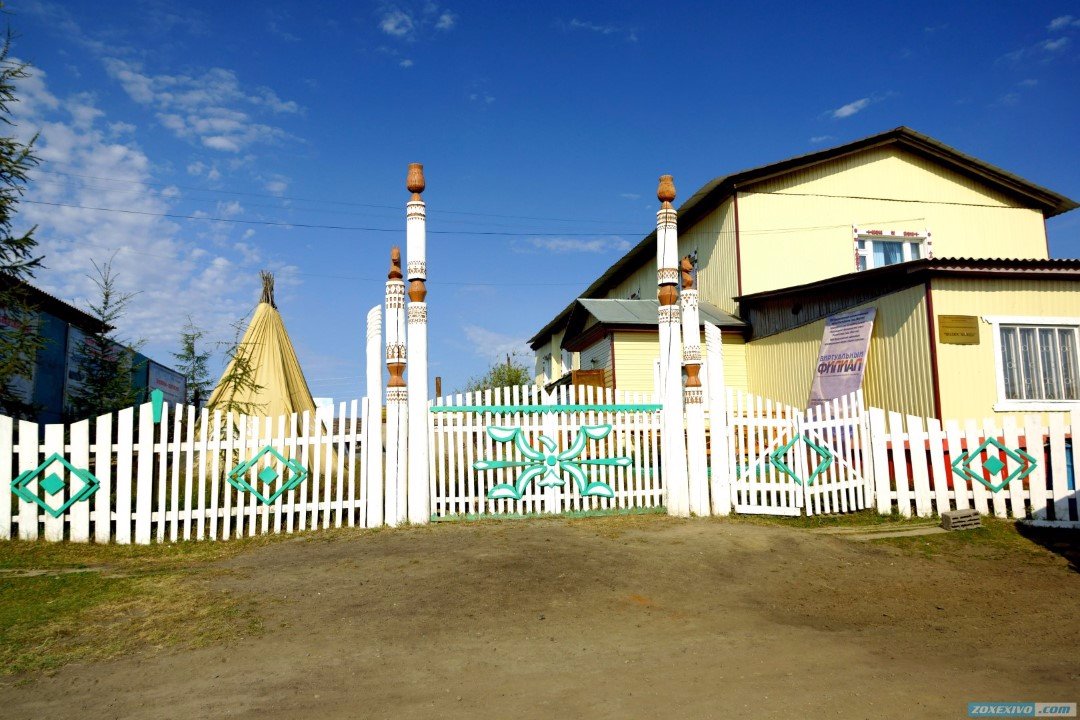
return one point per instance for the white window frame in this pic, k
(868, 235)
(1005, 404)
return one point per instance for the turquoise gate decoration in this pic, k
(52, 484)
(1024, 464)
(548, 464)
(776, 459)
(268, 475)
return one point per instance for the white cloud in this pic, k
(629, 34)
(1063, 22)
(406, 23)
(397, 23)
(817, 139)
(493, 345)
(211, 109)
(277, 185)
(173, 274)
(630, 196)
(851, 108)
(580, 245)
(1055, 44)
(446, 21)
(406, 63)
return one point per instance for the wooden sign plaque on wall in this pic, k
(958, 329)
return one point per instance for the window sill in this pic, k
(1037, 405)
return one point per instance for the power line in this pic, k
(436, 211)
(316, 226)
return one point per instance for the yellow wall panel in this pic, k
(969, 372)
(798, 228)
(636, 354)
(897, 375)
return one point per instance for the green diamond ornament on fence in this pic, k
(776, 459)
(50, 483)
(268, 476)
(1023, 464)
(548, 464)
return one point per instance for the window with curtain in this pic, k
(1039, 362)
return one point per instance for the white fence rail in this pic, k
(126, 478)
(549, 424)
(1006, 469)
(785, 461)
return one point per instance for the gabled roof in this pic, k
(710, 195)
(635, 313)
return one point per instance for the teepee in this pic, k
(264, 378)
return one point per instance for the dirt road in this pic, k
(617, 618)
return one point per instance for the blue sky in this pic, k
(542, 127)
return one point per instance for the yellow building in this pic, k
(891, 221)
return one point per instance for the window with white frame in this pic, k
(878, 248)
(1037, 360)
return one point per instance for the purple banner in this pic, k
(842, 358)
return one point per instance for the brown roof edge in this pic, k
(55, 306)
(716, 190)
(914, 270)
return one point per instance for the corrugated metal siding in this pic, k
(897, 373)
(636, 354)
(713, 238)
(798, 238)
(597, 357)
(969, 372)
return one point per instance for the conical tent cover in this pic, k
(273, 383)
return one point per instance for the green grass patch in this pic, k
(863, 518)
(997, 538)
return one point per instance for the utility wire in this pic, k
(435, 211)
(316, 226)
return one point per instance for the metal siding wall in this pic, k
(635, 354)
(598, 357)
(897, 373)
(49, 368)
(795, 239)
(969, 372)
(713, 237)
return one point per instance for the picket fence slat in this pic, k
(79, 530)
(7, 447)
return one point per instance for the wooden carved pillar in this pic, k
(419, 489)
(397, 394)
(673, 434)
(693, 394)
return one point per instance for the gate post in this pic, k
(672, 430)
(719, 465)
(419, 504)
(693, 394)
(373, 427)
(397, 395)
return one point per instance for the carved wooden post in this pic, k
(693, 394)
(373, 437)
(397, 395)
(672, 432)
(416, 248)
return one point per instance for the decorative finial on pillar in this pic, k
(686, 268)
(415, 180)
(395, 264)
(665, 193)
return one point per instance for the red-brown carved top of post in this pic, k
(665, 193)
(686, 268)
(415, 180)
(395, 264)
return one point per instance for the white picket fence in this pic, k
(460, 438)
(167, 481)
(914, 459)
(775, 452)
